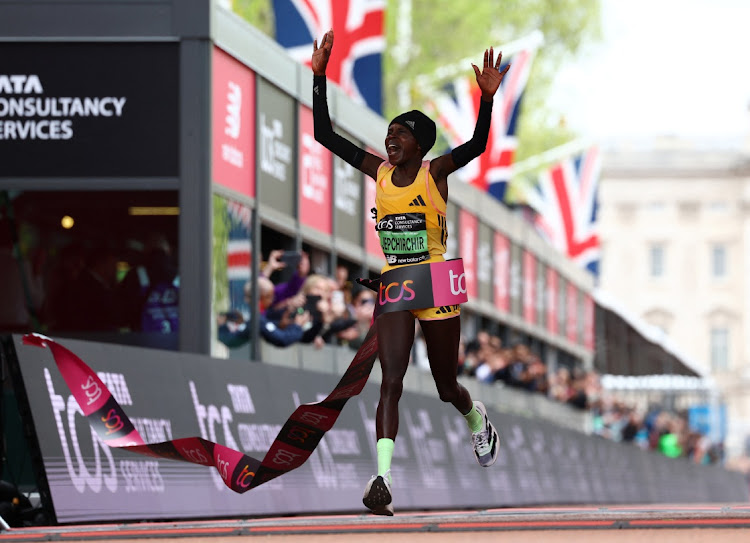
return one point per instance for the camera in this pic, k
(290, 258)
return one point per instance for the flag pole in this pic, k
(402, 51)
(531, 41)
(551, 155)
(427, 82)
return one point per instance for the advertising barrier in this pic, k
(243, 406)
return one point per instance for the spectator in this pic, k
(535, 378)
(286, 294)
(578, 396)
(669, 443)
(316, 291)
(363, 307)
(482, 340)
(517, 365)
(561, 388)
(470, 361)
(338, 317)
(149, 293)
(343, 282)
(234, 330)
(482, 349)
(339, 303)
(494, 367)
(631, 430)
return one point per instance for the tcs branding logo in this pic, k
(458, 283)
(245, 477)
(395, 292)
(385, 224)
(92, 390)
(234, 110)
(113, 422)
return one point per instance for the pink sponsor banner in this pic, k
(571, 306)
(552, 297)
(233, 124)
(405, 288)
(588, 322)
(468, 231)
(529, 287)
(501, 272)
(315, 177)
(372, 241)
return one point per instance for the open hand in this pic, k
(490, 77)
(273, 263)
(321, 54)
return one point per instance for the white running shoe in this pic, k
(485, 441)
(377, 497)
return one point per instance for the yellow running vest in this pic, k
(410, 220)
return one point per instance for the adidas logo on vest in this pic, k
(418, 201)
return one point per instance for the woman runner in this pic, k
(409, 185)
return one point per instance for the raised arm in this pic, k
(489, 80)
(324, 134)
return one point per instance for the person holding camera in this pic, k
(234, 330)
(284, 292)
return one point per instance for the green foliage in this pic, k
(456, 30)
(259, 13)
(446, 31)
(221, 227)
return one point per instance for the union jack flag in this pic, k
(457, 109)
(355, 63)
(565, 205)
(239, 252)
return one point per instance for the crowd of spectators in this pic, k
(656, 429)
(310, 308)
(488, 360)
(318, 309)
(85, 291)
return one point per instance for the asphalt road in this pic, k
(629, 523)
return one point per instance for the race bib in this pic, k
(403, 238)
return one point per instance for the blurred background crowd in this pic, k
(298, 306)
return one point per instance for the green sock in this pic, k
(385, 453)
(474, 419)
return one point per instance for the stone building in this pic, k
(675, 232)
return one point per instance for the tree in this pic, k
(446, 31)
(259, 13)
(456, 30)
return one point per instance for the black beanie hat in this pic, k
(421, 126)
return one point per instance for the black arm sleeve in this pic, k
(324, 133)
(466, 152)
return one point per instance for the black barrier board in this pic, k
(243, 405)
(89, 109)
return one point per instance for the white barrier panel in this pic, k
(243, 404)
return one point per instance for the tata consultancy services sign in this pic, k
(89, 109)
